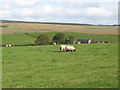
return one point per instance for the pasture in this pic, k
(91, 66)
(22, 38)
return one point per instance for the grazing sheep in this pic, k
(54, 43)
(78, 42)
(9, 45)
(62, 47)
(70, 48)
(6, 45)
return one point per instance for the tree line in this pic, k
(59, 38)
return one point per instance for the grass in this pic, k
(17, 39)
(22, 38)
(91, 66)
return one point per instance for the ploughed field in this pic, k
(91, 66)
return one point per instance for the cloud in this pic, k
(27, 12)
(104, 1)
(6, 11)
(46, 12)
(5, 14)
(25, 3)
(5, 6)
(71, 13)
(100, 12)
(80, 3)
(49, 10)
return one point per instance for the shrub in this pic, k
(43, 39)
(69, 40)
(59, 38)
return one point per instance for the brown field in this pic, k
(34, 27)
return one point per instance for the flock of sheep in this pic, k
(64, 48)
(9, 45)
(67, 48)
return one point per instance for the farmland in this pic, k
(91, 66)
(34, 27)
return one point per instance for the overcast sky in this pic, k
(66, 11)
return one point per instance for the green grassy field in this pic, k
(21, 39)
(17, 39)
(91, 66)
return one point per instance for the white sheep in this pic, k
(62, 47)
(9, 45)
(54, 43)
(6, 45)
(70, 48)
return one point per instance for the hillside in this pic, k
(14, 32)
(23, 39)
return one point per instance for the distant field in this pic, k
(14, 33)
(34, 27)
(91, 66)
(22, 38)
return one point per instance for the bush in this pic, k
(43, 39)
(59, 38)
(69, 40)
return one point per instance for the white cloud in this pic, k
(5, 14)
(54, 12)
(29, 19)
(6, 11)
(98, 12)
(5, 6)
(71, 13)
(27, 12)
(80, 3)
(104, 1)
(24, 3)
(49, 11)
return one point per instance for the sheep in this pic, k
(62, 47)
(70, 48)
(78, 42)
(7, 45)
(54, 43)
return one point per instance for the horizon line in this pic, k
(63, 23)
